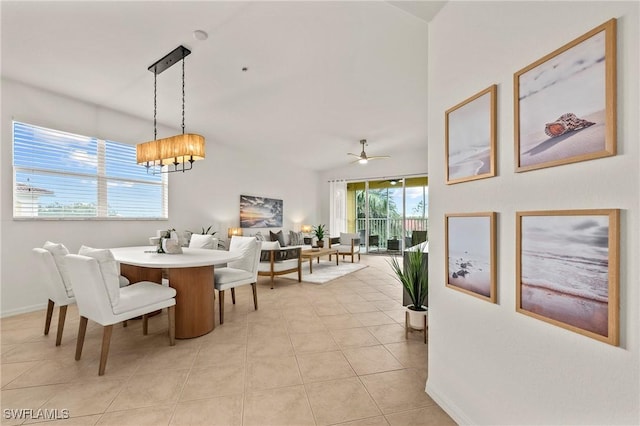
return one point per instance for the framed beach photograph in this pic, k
(470, 247)
(470, 138)
(565, 103)
(567, 270)
(260, 212)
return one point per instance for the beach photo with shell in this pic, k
(470, 253)
(565, 103)
(470, 137)
(567, 269)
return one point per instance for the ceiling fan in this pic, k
(363, 158)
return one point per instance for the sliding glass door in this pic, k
(389, 214)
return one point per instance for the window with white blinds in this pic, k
(59, 175)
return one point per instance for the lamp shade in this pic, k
(234, 231)
(183, 148)
(306, 229)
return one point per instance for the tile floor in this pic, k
(313, 354)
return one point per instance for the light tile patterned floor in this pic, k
(313, 354)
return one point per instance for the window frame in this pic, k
(100, 177)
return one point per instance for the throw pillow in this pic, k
(59, 251)
(295, 238)
(109, 270)
(277, 236)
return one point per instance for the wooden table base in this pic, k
(195, 308)
(194, 296)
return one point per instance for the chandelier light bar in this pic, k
(159, 155)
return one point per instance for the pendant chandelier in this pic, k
(170, 154)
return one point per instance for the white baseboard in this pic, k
(448, 406)
(23, 310)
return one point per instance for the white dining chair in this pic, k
(94, 277)
(57, 292)
(240, 272)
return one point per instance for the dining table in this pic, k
(190, 273)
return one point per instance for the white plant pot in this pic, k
(417, 318)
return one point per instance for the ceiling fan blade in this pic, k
(379, 157)
(355, 155)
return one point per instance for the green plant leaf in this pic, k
(414, 278)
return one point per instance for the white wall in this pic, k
(487, 363)
(207, 195)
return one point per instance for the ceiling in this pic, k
(320, 75)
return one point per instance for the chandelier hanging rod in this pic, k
(177, 54)
(176, 150)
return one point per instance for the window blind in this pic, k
(60, 175)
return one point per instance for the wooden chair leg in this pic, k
(300, 273)
(145, 324)
(62, 315)
(82, 330)
(406, 325)
(47, 321)
(271, 281)
(221, 302)
(104, 353)
(255, 295)
(172, 325)
(424, 329)
(233, 295)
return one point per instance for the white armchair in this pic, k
(94, 277)
(57, 292)
(346, 244)
(204, 241)
(240, 272)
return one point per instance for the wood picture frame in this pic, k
(567, 268)
(470, 254)
(470, 138)
(565, 103)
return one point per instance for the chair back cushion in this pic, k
(51, 277)
(88, 286)
(346, 238)
(203, 241)
(246, 246)
(108, 269)
(59, 251)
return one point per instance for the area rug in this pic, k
(325, 271)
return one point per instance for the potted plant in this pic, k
(319, 231)
(415, 280)
(205, 231)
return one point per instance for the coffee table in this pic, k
(311, 254)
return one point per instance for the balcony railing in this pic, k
(390, 229)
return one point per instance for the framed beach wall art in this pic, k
(565, 103)
(470, 248)
(470, 138)
(260, 212)
(567, 270)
